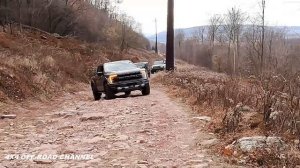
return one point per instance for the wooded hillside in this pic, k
(89, 20)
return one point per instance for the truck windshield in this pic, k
(141, 65)
(158, 62)
(118, 66)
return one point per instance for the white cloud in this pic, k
(189, 13)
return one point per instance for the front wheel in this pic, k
(146, 90)
(96, 94)
(109, 94)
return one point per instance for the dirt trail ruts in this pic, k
(138, 131)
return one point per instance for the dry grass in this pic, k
(274, 104)
(206, 89)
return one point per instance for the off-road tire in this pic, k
(96, 94)
(146, 90)
(109, 94)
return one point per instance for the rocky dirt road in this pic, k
(138, 131)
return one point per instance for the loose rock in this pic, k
(122, 137)
(93, 140)
(10, 116)
(18, 136)
(92, 116)
(247, 144)
(43, 161)
(246, 109)
(66, 127)
(210, 142)
(142, 162)
(203, 118)
(61, 165)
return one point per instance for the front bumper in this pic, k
(132, 85)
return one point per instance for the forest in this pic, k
(88, 20)
(240, 45)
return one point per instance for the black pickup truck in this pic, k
(120, 76)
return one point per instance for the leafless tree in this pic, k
(198, 34)
(214, 24)
(90, 20)
(234, 21)
(179, 42)
(252, 45)
(4, 13)
(262, 36)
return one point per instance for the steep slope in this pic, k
(36, 65)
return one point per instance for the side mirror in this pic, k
(99, 71)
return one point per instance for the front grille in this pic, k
(130, 76)
(158, 67)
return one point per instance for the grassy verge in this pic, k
(241, 107)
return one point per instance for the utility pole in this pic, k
(263, 37)
(156, 49)
(170, 60)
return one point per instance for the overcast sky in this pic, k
(189, 13)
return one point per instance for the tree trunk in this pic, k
(123, 42)
(238, 51)
(49, 20)
(262, 38)
(229, 59)
(20, 15)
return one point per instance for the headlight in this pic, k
(144, 74)
(112, 78)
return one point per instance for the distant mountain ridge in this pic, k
(292, 32)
